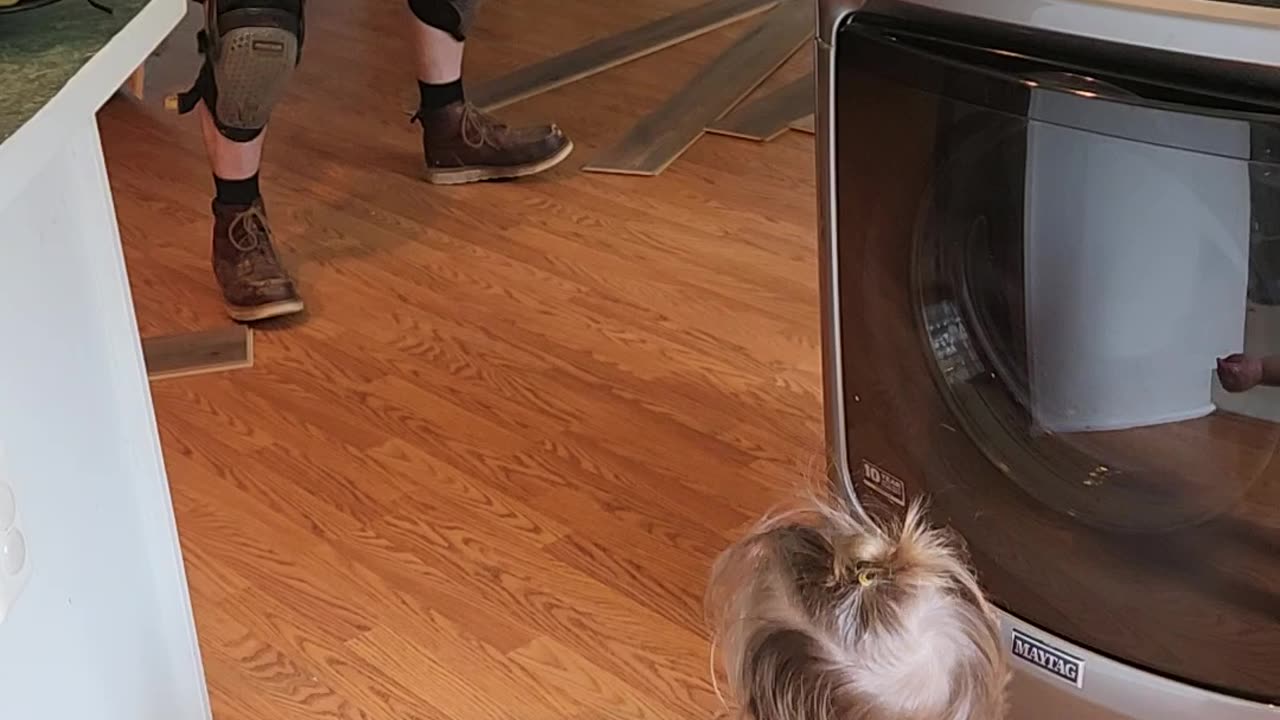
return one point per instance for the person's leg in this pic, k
(228, 159)
(438, 55)
(251, 47)
(255, 284)
(461, 143)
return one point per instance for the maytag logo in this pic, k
(883, 482)
(1057, 663)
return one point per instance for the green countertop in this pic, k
(41, 49)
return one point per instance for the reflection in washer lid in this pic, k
(1135, 274)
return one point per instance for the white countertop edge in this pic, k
(28, 149)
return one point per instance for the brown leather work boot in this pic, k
(462, 144)
(254, 284)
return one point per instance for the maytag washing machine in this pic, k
(1051, 281)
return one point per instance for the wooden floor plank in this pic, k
(225, 348)
(660, 137)
(767, 117)
(610, 52)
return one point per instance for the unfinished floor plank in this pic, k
(767, 117)
(804, 125)
(615, 50)
(663, 135)
(170, 356)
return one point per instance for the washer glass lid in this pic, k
(1064, 329)
(1106, 332)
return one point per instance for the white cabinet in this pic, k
(98, 623)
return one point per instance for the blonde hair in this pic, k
(822, 614)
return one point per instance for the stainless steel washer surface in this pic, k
(1051, 304)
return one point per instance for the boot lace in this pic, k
(249, 230)
(250, 234)
(477, 128)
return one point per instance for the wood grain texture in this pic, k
(488, 473)
(767, 117)
(663, 135)
(614, 50)
(195, 353)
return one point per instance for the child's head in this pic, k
(825, 615)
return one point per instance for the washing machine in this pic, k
(1051, 305)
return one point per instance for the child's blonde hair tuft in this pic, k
(826, 614)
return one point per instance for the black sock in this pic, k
(237, 192)
(435, 97)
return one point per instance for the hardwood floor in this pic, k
(485, 477)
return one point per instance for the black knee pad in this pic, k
(441, 15)
(251, 48)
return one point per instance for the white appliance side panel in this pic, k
(103, 627)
